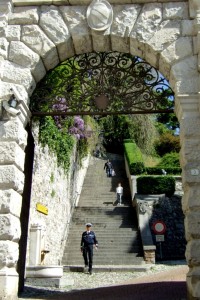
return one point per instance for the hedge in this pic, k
(134, 158)
(156, 185)
(158, 170)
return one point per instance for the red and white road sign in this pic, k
(159, 227)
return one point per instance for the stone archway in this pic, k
(36, 38)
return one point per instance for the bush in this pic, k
(156, 185)
(167, 143)
(158, 170)
(134, 158)
(170, 160)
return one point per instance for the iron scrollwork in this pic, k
(102, 83)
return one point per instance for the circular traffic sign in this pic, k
(159, 227)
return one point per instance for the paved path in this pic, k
(164, 285)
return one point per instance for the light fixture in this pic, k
(10, 106)
(13, 102)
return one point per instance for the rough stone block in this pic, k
(192, 222)
(36, 40)
(190, 200)
(10, 228)
(22, 55)
(53, 25)
(4, 47)
(10, 202)
(191, 150)
(6, 91)
(176, 10)
(193, 282)
(11, 178)
(182, 72)
(11, 153)
(148, 22)
(13, 32)
(100, 42)
(9, 252)
(191, 172)
(190, 126)
(9, 279)
(177, 50)
(124, 18)
(187, 27)
(192, 252)
(75, 18)
(168, 32)
(16, 74)
(13, 130)
(24, 15)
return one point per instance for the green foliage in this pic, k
(170, 160)
(156, 185)
(167, 143)
(52, 178)
(158, 170)
(134, 157)
(169, 120)
(142, 130)
(161, 128)
(82, 149)
(59, 142)
(115, 130)
(94, 130)
(53, 193)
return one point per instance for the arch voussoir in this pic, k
(36, 40)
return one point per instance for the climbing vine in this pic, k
(59, 142)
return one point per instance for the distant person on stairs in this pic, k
(119, 193)
(88, 241)
(108, 166)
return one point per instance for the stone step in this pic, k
(115, 226)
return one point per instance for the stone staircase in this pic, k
(115, 226)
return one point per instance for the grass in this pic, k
(151, 161)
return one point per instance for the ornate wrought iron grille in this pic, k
(102, 84)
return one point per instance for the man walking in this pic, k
(88, 241)
(108, 166)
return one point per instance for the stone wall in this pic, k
(59, 193)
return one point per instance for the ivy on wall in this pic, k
(59, 142)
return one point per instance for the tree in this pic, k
(143, 131)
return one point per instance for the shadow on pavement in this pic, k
(147, 291)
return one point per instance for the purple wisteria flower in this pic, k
(60, 105)
(78, 128)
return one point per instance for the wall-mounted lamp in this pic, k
(11, 105)
(13, 102)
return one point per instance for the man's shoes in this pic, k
(85, 269)
(90, 272)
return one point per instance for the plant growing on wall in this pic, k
(60, 142)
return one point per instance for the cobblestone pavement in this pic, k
(167, 280)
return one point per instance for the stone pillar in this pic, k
(13, 139)
(187, 110)
(35, 244)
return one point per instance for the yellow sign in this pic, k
(41, 208)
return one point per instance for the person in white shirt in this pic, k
(119, 193)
